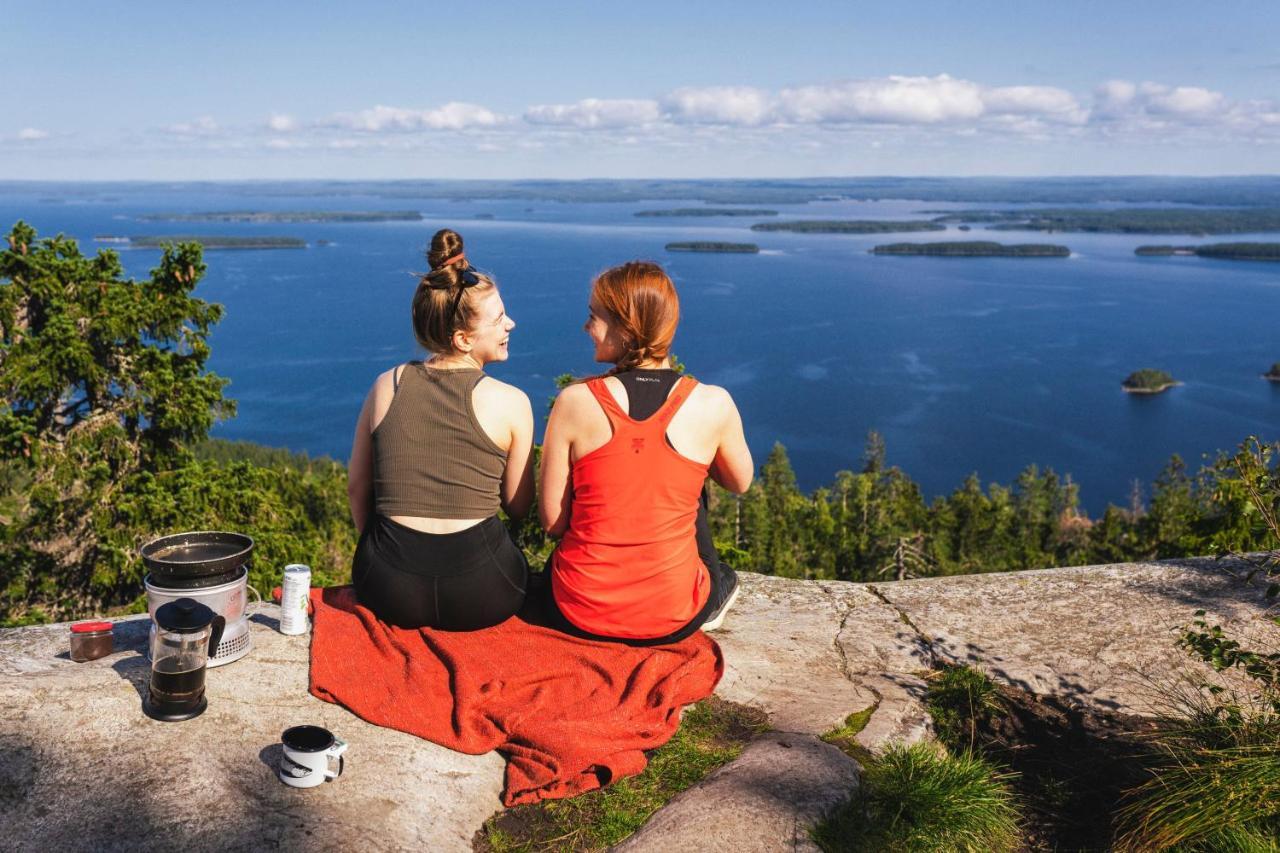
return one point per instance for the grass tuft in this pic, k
(712, 733)
(920, 799)
(958, 698)
(1217, 787)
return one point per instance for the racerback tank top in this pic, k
(431, 457)
(628, 565)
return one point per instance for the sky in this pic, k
(169, 91)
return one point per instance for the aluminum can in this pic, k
(294, 595)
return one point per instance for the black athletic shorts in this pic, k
(460, 581)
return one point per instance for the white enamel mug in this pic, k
(308, 756)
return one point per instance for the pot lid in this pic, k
(184, 616)
(90, 627)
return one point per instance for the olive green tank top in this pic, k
(431, 457)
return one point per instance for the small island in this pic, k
(974, 249)
(158, 241)
(708, 211)
(1148, 381)
(1149, 220)
(850, 226)
(1222, 251)
(1273, 375)
(277, 216)
(705, 246)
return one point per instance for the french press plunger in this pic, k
(186, 634)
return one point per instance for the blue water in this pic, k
(963, 365)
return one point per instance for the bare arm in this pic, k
(732, 466)
(555, 492)
(517, 478)
(360, 467)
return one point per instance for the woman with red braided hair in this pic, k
(624, 462)
(439, 447)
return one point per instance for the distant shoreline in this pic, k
(850, 226)
(1198, 192)
(1159, 389)
(707, 211)
(210, 242)
(275, 216)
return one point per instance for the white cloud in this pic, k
(202, 126)
(919, 111)
(28, 134)
(1182, 101)
(451, 116)
(1156, 103)
(281, 123)
(1044, 102)
(1114, 98)
(595, 113)
(892, 100)
(734, 105)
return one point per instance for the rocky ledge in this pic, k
(82, 769)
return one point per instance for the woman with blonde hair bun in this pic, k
(438, 448)
(624, 462)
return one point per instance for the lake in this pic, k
(963, 364)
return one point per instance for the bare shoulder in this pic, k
(501, 392)
(574, 397)
(384, 386)
(712, 399)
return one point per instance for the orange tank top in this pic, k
(628, 565)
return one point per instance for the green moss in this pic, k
(845, 737)
(711, 734)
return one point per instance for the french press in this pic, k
(186, 634)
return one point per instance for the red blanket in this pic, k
(569, 714)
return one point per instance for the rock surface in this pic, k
(82, 769)
(767, 800)
(1104, 636)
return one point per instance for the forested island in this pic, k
(157, 241)
(287, 216)
(1174, 220)
(1274, 373)
(850, 226)
(974, 249)
(1222, 251)
(1148, 381)
(707, 246)
(708, 211)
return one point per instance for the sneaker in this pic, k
(717, 617)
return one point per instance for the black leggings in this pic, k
(460, 581)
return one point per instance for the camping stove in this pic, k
(211, 567)
(226, 600)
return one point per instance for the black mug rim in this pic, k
(307, 732)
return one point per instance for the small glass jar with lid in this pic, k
(91, 640)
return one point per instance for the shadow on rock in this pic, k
(136, 670)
